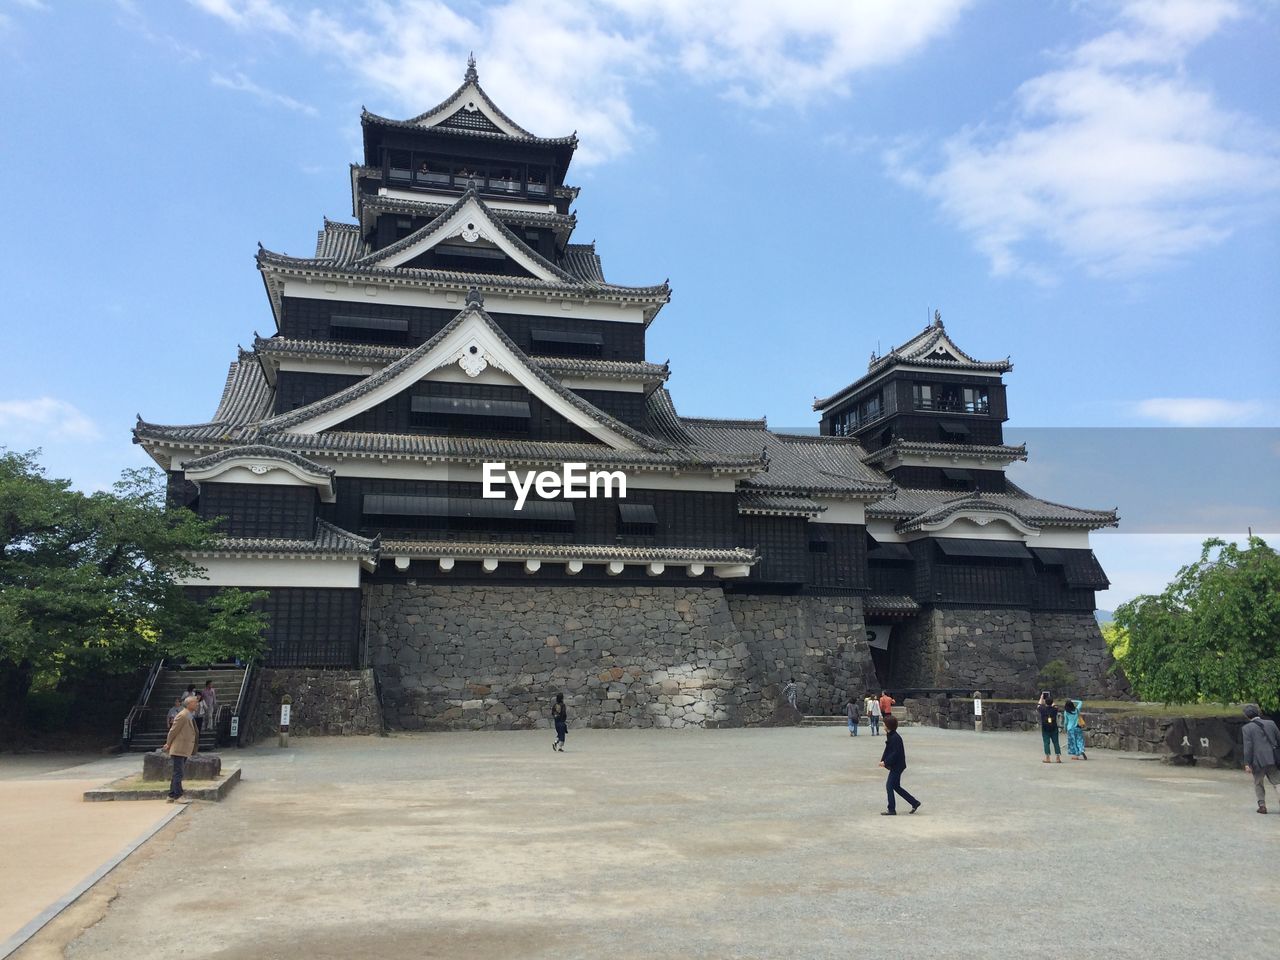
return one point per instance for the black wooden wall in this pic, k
(308, 319)
(260, 509)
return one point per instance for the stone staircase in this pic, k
(899, 711)
(153, 727)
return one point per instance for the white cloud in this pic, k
(1199, 411)
(1116, 161)
(557, 65)
(243, 84)
(27, 421)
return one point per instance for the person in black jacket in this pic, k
(560, 717)
(894, 760)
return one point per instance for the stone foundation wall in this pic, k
(818, 641)
(1001, 652)
(1076, 639)
(325, 702)
(475, 656)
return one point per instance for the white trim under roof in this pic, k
(263, 470)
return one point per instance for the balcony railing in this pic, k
(428, 180)
(953, 406)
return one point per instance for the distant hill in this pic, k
(1104, 616)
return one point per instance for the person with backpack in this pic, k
(560, 717)
(1261, 752)
(1049, 726)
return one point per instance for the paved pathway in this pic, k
(716, 844)
(50, 839)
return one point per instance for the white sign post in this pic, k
(977, 711)
(285, 704)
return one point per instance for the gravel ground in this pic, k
(717, 844)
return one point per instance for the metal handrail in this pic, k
(152, 677)
(241, 704)
(142, 706)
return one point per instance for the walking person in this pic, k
(852, 710)
(886, 703)
(1261, 752)
(790, 692)
(181, 744)
(1073, 720)
(1049, 726)
(894, 759)
(560, 717)
(875, 715)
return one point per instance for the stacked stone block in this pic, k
(457, 656)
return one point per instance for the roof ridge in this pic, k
(743, 423)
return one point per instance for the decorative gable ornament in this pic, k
(473, 360)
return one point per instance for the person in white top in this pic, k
(873, 711)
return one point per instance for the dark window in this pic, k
(950, 397)
(469, 413)
(467, 513)
(953, 432)
(992, 549)
(637, 520)
(369, 329)
(559, 343)
(957, 479)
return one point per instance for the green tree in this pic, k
(91, 582)
(1213, 634)
(1056, 676)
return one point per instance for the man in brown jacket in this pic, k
(180, 744)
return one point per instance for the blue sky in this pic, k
(1092, 188)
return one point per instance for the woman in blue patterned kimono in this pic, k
(1075, 733)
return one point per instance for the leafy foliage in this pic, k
(90, 583)
(1055, 677)
(1213, 634)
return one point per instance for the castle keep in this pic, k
(454, 323)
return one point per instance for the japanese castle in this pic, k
(454, 322)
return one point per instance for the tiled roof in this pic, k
(562, 223)
(340, 399)
(259, 450)
(1002, 452)
(329, 541)
(884, 603)
(534, 452)
(367, 119)
(657, 294)
(800, 465)
(586, 552)
(377, 257)
(749, 501)
(275, 347)
(452, 103)
(339, 242)
(915, 507)
(805, 465)
(581, 260)
(246, 399)
(921, 350)
(246, 394)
